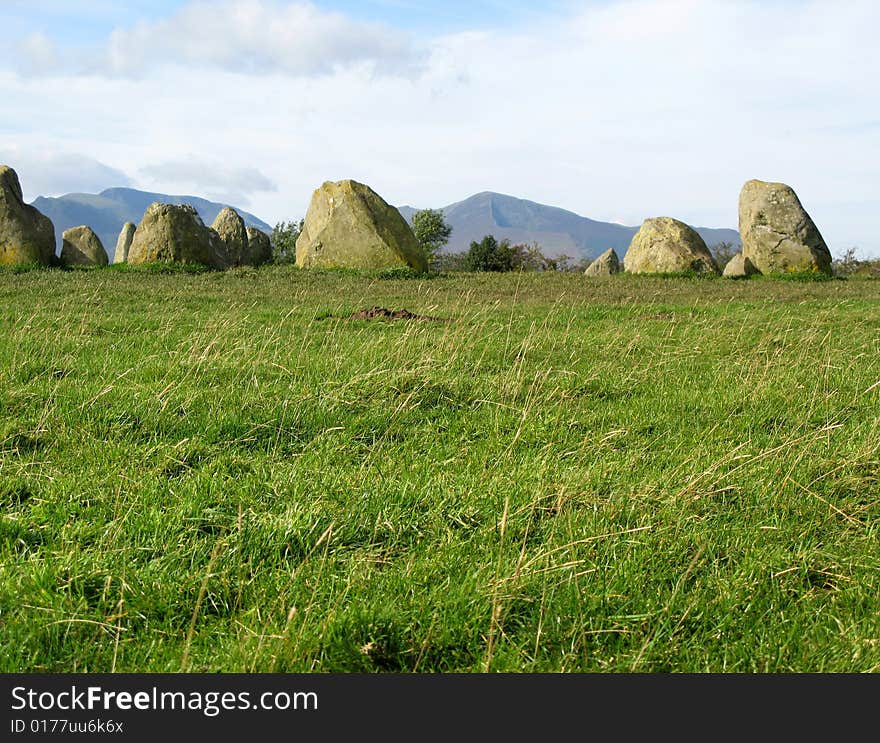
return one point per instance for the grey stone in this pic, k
(778, 236)
(666, 245)
(176, 233)
(606, 264)
(348, 225)
(26, 235)
(259, 247)
(123, 243)
(80, 246)
(230, 227)
(739, 267)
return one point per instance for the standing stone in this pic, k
(665, 245)
(80, 246)
(348, 225)
(176, 233)
(606, 264)
(777, 234)
(230, 226)
(26, 235)
(259, 247)
(123, 243)
(739, 267)
(218, 249)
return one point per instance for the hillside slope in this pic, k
(558, 231)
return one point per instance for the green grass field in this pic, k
(220, 472)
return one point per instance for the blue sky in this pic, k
(83, 22)
(91, 20)
(456, 15)
(618, 109)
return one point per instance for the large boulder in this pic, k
(739, 267)
(80, 246)
(777, 234)
(26, 235)
(123, 243)
(259, 247)
(176, 233)
(230, 226)
(665, 245)
(348, 225)
(605, 265)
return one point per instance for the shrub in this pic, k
(490, 255)
(849, 265)
(283, 239)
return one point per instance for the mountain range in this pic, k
(107, 211)
(556, 230)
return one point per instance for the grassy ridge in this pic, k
(220, 472)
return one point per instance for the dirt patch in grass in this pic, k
(383, 313)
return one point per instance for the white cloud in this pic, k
(37, 54)
(223, 182)
(53, 173)
(247, 37)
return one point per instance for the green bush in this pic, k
(283, 238)
(490, 255)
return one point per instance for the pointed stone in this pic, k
(230, 226)
(778, 236)
(606, 264)
(26, 235)
(348, 225)
(176, 233)
(259, 247)
(123, 243)
(80, 246)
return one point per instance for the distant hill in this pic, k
(557, 231)
(107, 211)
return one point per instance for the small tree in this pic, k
(432, 232)
(283, 239)
(490, 255)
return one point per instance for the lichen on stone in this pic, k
(348, 225)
